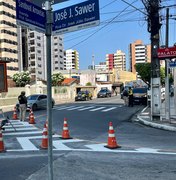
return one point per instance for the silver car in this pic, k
(36, 101)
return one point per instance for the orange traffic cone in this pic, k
(31, 118)
(30, 111)
(112, 144)
(15, 114)
(65, 132)
(1, 142)
(44, 144)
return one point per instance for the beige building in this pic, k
(8, 35)
(116, 61)
(139, 53)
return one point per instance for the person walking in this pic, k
(22, 105)
(130, 94)
(125, 97)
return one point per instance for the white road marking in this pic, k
(20, 129)
(22, 133)
(64, 108)
(17, 126)
(60, 146)
(109, 109)
(75, 108)
(97, 109)
(26, 144)
(90, 107)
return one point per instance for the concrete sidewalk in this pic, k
(144, 117)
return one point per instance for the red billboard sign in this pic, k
(169, 52)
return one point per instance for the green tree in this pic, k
(57, 79)
(162, 75)
(88, 84)
(21, 78)
(144, 71)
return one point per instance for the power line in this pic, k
(134, 7)
(102, 27)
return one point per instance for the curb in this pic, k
(155, 125)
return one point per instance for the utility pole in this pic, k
(167, 97)
(154, 27)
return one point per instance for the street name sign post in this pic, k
(73, 18)
(30, 16)
(76, 17)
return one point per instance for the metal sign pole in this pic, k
(49, 85)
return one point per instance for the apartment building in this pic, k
(71, 59)
(8, 36)
(139, 53)
(116, 61)
(37, 57)
(100, 67)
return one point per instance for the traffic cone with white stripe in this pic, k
(30, 111)
(112, 143)
(44, 144)
(1, 142)
(31, 118)
(65, 132)
(15, 117)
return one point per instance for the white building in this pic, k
(100, 67)
(37, 58)
(120, 60)
(8, 36)
(71, 60)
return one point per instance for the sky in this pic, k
(121, 22)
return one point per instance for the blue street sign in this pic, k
(172, 64)
(30, 15)
(76, 17)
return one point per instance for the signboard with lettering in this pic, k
(76, 17)
(172, 64)
(3, 77)
(30, 16)
(42, 2)
(169, 52)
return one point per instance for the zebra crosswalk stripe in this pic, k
(90, 107)
(62, 108)
(75, 108)
(97, 109)
(109, 109)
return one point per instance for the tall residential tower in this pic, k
(139, 53)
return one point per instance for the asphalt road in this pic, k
(145, 153)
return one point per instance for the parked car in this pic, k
(104, 93)
(140, 95)
(83, 96)
(36, 101)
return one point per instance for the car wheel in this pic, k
(34, 107)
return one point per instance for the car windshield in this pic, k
(81, 92)
(34, 97)
(140, 90)
(103, 90)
